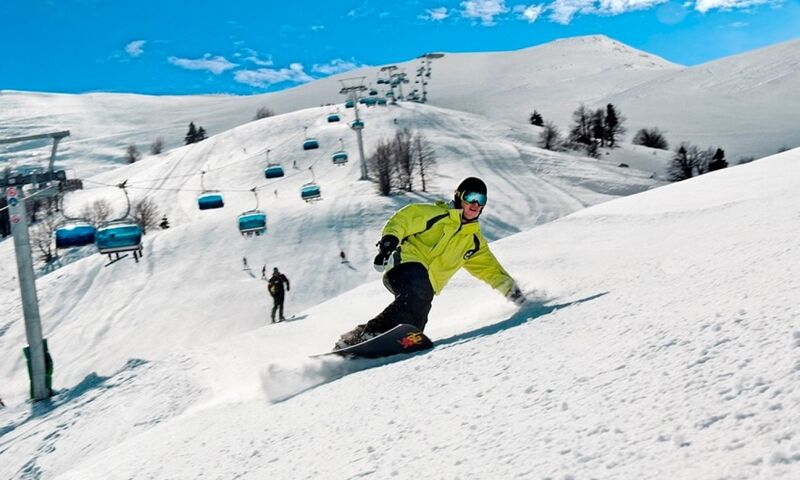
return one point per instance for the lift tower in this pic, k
(13, 186)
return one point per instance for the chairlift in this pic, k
(310, 191)
(273, 170)
(253, 222)
(74, 232)
(340, 157)
(310, 143)
(357, 125)
(349, 103)
(333, 118)
(373, 92)
(120, 235)
(381, 101)
(209, 199)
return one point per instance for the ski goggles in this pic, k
(474, 197)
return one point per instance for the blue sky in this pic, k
(250, 46)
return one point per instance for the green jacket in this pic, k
(433, 235)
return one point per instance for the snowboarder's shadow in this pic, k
(332, 369)
(529, 311)
(294, 318)
(351, 267)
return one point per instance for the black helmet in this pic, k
(469, 184)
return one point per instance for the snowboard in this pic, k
(403, 338)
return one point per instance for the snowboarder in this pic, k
(343, 256)
(423, 245)
(276, 289)
(244, 263)
(264, 272)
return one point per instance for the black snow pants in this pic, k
(277, 305)
(413, 295)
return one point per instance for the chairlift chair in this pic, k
(209, 199)
(310, 143)
(273, 170)
(253, 222)
(74, 232)
(333, 118)
(120, 235)
(310, 191)
(339, 157)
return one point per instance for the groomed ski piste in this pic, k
(661, 339)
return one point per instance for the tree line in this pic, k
(593, 129)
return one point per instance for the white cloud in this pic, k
(264, 77)
(135, 48)
(738, 24)
(529, 12)
(254, 57)
(435, 14)
(615, 7)
(563, 11)
(215, 65)
(485, 10)
(317, 28)
(335, 66)
(703, 6)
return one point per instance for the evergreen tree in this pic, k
(201, 134)
(599, 127)
(191, 136)
(536, 119)
(581, 129)
(164, 223)
(614, 128)
(718, 161)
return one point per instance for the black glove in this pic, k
(387, 246)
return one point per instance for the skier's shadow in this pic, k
(528, 312)
(333, 368)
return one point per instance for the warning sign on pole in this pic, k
(11, 192)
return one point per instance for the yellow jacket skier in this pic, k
(422, 247)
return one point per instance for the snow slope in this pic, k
(191, 287)
(746, 104)
(662, 341)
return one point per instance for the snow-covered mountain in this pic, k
(191, 288)
(745, 114)
(661, 342)
(747, 104)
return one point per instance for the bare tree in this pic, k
(132, 154)
(380, 166)
(157, 146)
(146, 214)
(41, 234)
(652, 138)
(98, 212)
(403, 159)
(263, 112)
(550, 138)
(425, 159)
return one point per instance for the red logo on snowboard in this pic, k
(410, 340)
